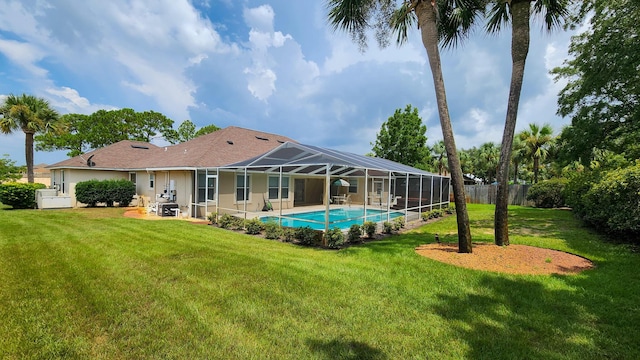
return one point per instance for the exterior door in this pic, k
(298, 192)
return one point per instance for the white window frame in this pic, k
(247, 191)
(152, 180)
(279, 188)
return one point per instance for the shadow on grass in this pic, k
(345, 349)
(505, 318)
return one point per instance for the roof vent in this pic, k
(261, 138)
(229, 142)
(281, 142)
(89, 162)
(140, 147)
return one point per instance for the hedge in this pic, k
(108, 192)
(548, 193)
(19, 195)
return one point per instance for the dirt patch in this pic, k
(512, 259)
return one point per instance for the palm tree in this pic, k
(353, 16)
(489, 155)
(536, 140)
(439, 153)
(519, 13)
(31, 115)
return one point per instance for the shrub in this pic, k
(548, 193)
(355, 231)
(398, 223)
(213, 218)
(253, 226)
(288, 234)
(334, 237)
(306, 235)
(613, 202)
(369, 228)
(272, 230)
(387, 227)
(19, 195)
(227, 221)
(451, 209)
(109, 192)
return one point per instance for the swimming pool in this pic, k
(342, 218)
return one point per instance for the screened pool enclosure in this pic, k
(295, 178)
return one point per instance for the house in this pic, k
(241, 171)
(177, 173)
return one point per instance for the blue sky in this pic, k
(270, 65)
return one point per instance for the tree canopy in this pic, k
(8, 169)
(402, 138)
(602, 96)
(105, 127)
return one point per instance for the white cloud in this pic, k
(70, 100)
(24, 55)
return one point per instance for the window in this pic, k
(273, 187)
(242, 193)
(206, 187)
(353, 186)
(152, 180)
(132, 177)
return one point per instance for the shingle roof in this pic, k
(222, 147)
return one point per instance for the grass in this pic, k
(89, 283)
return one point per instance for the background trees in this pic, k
(9, 170)
(536, 141)
(105, 127)
(30, 114)
(603, 90)
(187, 131)
(402, 138)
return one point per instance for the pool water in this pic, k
(342, 218)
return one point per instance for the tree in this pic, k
(488, 156)
(439, 155)
(603, 89)
(536, 140)
(9, 170)
(354, 16)
(207, 129)
(519, 13)
(402, 138)
(31, 115)
(105, 127)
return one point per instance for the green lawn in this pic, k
(90, 283)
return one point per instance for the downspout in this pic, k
(388, 197)
(406, 197)
(245, 195)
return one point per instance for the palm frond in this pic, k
(555, 12)
(457, 18)
(352, 17)
(497, 16)
(401, 20)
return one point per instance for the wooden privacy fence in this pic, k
(486, 194)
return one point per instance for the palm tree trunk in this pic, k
(28, 152)
(536, 164)
(429, 31)
(515, 172)
(520, 13)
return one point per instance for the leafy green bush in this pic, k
(253, 226)
(213, 218)
(369, 228)
(387, 227)
(614, 201)
(19, 195)
(451, 209)
(92, 192)
(576, 189)
(288, 234)
(228, 221)
(334, 237)
(306, 235)
(398, 223)
(355, 231)
(272, 230)
(433, 214)
(548, 193)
